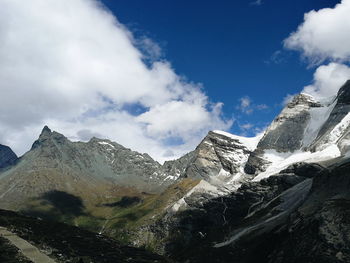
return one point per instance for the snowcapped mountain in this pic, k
(291, 203)
(232, 198)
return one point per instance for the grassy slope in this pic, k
(120, 222)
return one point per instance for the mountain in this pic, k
(7, 157)
(279, 197)
(293, 204)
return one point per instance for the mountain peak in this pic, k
(46, 129)
(303, 99)
(46, 136)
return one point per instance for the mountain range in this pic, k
(282, 196)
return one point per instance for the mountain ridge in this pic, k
(229, 191)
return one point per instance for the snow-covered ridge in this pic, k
(336, 133)
(249, 142)
(280, 161)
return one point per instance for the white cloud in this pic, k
(247, 106)
(256, 2)
(324, 34)
(73, 66)
(288, 98)
(327, 80)
(246, 126)
(262, 107)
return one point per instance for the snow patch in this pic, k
(318, 117)
(279, 163)
(202, 187)
(106, 143)
(336, 133)
(249, 142)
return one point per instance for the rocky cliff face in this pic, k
(7, 156)
(285, 134)
(219, 157)
(335, 131)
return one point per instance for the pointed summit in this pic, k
(48, 135)
(303, 99)
(45, 129)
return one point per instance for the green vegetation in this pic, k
(112, 216)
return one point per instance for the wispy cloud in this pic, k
(278, 57)
(246, 126)
(247, 106)
(256, 3)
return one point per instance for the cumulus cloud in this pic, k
(74, 66)
(327, 80)
(323, 34)
(323, 37)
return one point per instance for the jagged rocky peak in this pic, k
(303, 100)
(220, 156)
(7, 156)
(286, 132)
(47, 136)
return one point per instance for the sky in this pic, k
(156, 76)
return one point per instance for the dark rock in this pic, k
(340, 110)
(7, 157)
(305, 169)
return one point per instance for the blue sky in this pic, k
(234, 48)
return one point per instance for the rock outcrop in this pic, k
(219, 158)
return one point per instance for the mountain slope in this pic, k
(232, 198)
(66, 243)
(296, 194)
